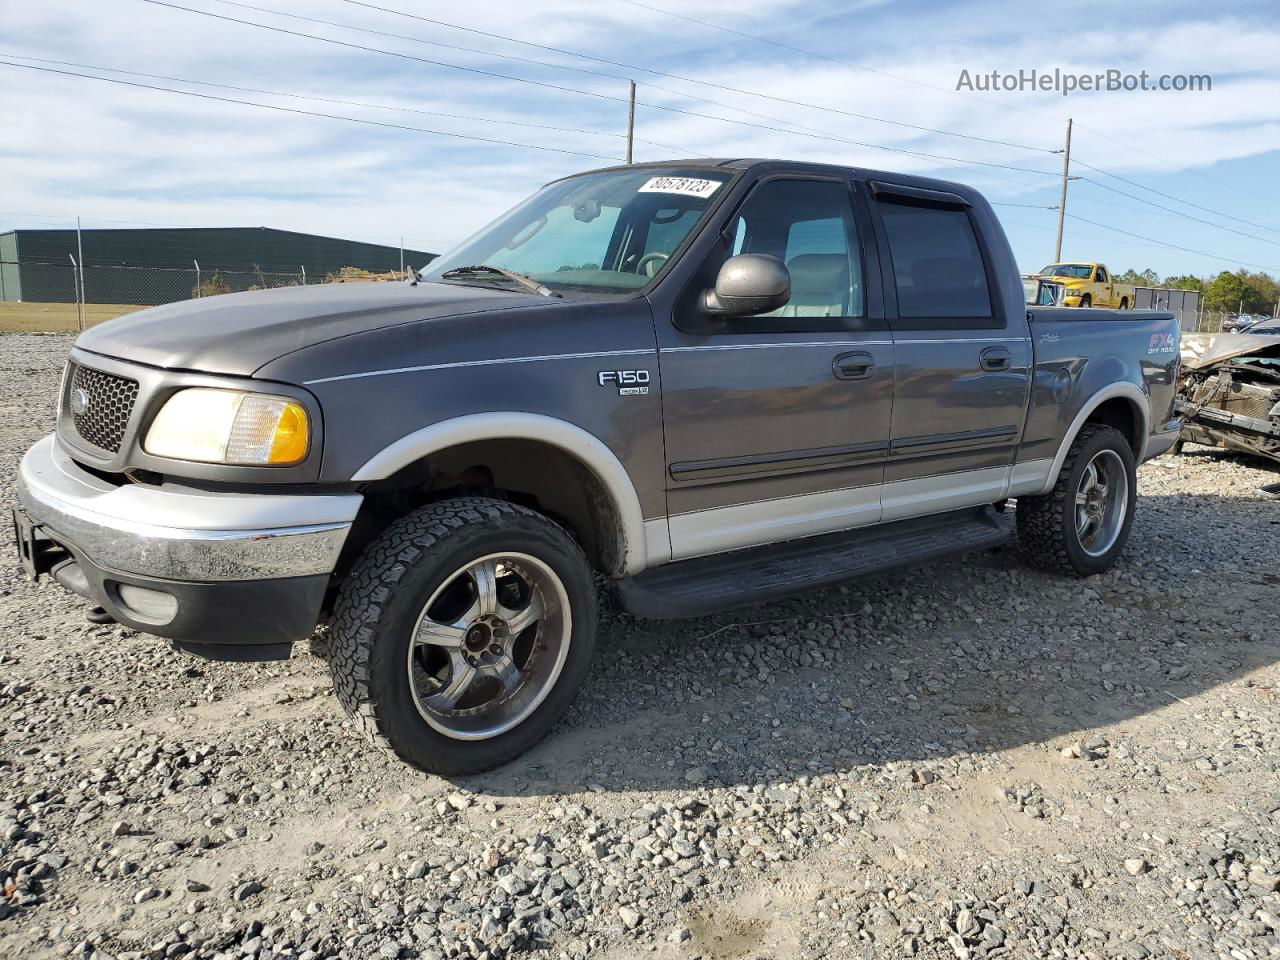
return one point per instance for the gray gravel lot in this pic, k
(968, 760)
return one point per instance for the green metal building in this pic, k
(150, 266)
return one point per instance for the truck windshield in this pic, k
(603, 233)
(1080, 271)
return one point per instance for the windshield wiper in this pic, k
(527, 282)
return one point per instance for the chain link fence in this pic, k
(94, 292)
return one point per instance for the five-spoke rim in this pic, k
(489, 646)
(1102, 502)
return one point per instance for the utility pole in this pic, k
(80, 257)
(1062, 200)
(75, 281)
(631, 120)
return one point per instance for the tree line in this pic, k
(1241, 292)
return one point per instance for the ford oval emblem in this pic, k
(80, 401)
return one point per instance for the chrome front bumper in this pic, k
(181, 533)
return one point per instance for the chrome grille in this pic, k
(100, 404)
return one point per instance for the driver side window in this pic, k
(1102, 275)
(808, 225)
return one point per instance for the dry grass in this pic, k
(56, 317)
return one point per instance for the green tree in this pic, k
(1184, 282)
(1231, 292)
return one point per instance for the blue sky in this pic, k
(118, 155)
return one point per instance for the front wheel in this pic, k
(1081, 526)
(1086, 301)
(463, 634)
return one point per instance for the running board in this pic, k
(703, 585)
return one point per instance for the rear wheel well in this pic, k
(1122, 415)
(531, 473)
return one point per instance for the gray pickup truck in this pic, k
(712, 382)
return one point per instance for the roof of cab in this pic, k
(762, 164)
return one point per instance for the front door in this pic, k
(963, 356)
(777, 426)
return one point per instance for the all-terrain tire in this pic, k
(1047, 536)
(381, 598)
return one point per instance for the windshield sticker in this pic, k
(684, 186)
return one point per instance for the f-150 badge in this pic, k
(630, 383)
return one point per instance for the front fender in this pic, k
(578, 443)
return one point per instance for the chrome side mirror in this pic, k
(749, 284)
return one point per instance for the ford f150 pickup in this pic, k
(715, 382)
(1089, 285)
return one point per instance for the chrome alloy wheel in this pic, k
(1102, 501)
(489, 646)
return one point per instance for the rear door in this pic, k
(777, 426)
(962, 353)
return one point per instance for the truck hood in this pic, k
(1201, 350)
(238, 333)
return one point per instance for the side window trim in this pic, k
(888, 285)
(873, 318)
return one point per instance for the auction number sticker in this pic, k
(684, 186)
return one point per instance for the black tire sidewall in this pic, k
(410, 735)
(1080, 560)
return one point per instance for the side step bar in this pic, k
(704, 585)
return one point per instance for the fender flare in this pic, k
(587, 448)
(1125, 389)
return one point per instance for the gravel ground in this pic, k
(968, 760)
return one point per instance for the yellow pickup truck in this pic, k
(1089, 285)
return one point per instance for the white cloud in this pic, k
(105, 151)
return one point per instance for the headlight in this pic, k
(229, 426)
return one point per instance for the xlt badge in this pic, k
(630, 383)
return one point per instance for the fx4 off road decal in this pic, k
(1163, 343)
(630, 383)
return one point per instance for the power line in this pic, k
(1180, 169)
(309, 113)
(629, 66)
(983, 100)
(601, 96)
(1167, 196)
(348, 103)
(1031, 206)
(830, 59)
(1174, 246)
(1179, 213)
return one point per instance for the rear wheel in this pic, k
(1081, 526)
(463, 634)
(1124, 303)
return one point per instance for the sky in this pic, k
(840, 82)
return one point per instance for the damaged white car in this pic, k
(1229, 393)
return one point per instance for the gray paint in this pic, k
(749, 429)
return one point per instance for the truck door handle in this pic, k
(995, 358)
(853, 366)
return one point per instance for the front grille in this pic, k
(100, 405)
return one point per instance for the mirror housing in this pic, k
(749, 284)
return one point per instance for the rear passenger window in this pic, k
(937, 265)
